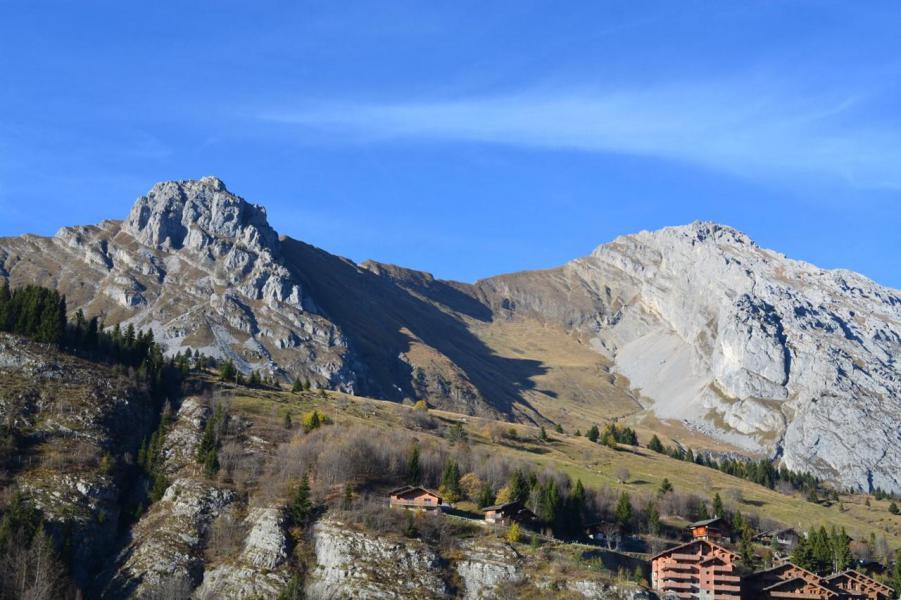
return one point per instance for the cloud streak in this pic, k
(747, 130)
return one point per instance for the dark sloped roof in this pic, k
(412, 488)
(692, 543)
(504, 506)
(707, 522)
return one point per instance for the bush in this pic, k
(514, 533)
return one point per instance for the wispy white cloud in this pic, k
(747, 129)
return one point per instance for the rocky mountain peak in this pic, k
(198, 214)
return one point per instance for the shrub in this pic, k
(514, 533)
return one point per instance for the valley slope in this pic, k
(692, 331)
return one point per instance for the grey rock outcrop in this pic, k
(200, 267)
(772, 354)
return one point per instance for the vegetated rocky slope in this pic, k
(69, 425)
(741, 343)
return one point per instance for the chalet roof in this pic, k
(782, 567)
(852, 574)
(802, 581)
(707, 522)
(406, 489)
(503, 507)
(711, 545)
(774, 532)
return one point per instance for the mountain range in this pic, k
(693, 331)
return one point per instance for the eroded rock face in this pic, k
(356, 565)
(202, 268)
(772, 354)
(260, 571)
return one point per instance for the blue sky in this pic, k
(467, 138)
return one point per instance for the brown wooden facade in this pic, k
(415, 498)
(858, 585)
(698, 569)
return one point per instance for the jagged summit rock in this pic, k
(197, 214)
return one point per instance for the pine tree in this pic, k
(655, 444)
(558, 428)
(519, 487)
(289, 423)
(548, 502)
(301, 507)
(703, 515)
(841, 550)
(450, 481)
(228, 372)
(718, 509)
(893, 508)
(297, 387)
(665, 487)
(624, 511)
(486, 497)
(593, 433)
(542, 434)
(414, 471)
(746, 548)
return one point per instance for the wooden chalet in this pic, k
(415, 498)
(754, 584)
(798, 588)
(858, 585)
(783, 540)
(698, 569)
(712, 530)
(510, 512)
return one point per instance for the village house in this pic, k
(415, 498)
(783, 541)
(698, 569)
(712, 530)
(510, 512)
(797, 588)
(858, 585)
(788, 581)
(762, 584)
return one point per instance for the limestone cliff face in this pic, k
(203, 269)
(770, 353)
(356, 564)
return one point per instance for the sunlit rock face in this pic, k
(770, 353)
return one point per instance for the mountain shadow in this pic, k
(379, 306)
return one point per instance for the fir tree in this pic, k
(746, 548)
(893, 508)
(414, 471)
(655, 444)
(593, 433)
(519, 487)
(542, 434)
(623, 513)
(301, 507)
(665, 487)
(718, 509)
(450, 481)
(486, 497)
(297, 387)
